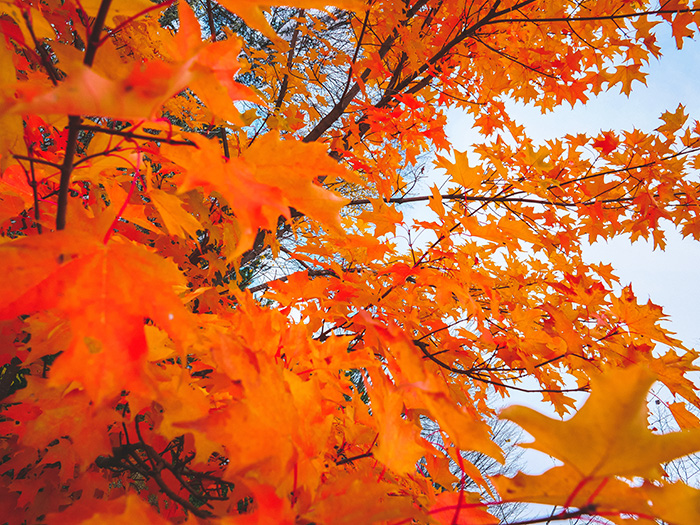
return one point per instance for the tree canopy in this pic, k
(217, 307)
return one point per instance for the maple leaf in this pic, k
(94, 287)
(470, 178)
(263, 183)
(609, 435)
(140, 91)
(672, 121)
(123, 511)
(44, 412)
(270, 507)
(352, 383)
(607, 144)
(625, 75)
(87, 92)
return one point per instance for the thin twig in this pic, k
(35, 195)
(37, 160)
(139, 136)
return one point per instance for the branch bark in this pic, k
(74, 121)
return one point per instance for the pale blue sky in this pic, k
(671, 278)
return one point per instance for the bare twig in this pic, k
(138, 136)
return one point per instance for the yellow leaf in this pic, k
(11, 126)
(159, 345)
(684, 417)
(625, 75)
(609, 435)
(116, 9)
(175, 219)
(672, 121)
(252, 11)
(675, 503)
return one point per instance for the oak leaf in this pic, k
(674, 503)
(673, 121)
(385, 218)
(607, 144)
(625, 75)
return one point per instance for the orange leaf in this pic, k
(470, 178)
(124, 511)
(262, 184)
(100, 290)
(461, 508)
(385, 218)
(175, 219)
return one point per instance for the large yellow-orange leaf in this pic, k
(674, 503)
(609, 436)
(461, 508)
(470, 178)
(385, 218)
(175, 219)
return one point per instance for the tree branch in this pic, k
(476, 376)
(74, 121)
(596, 18)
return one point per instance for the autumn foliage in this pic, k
(228, 298)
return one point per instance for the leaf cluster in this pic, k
(221, 303)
